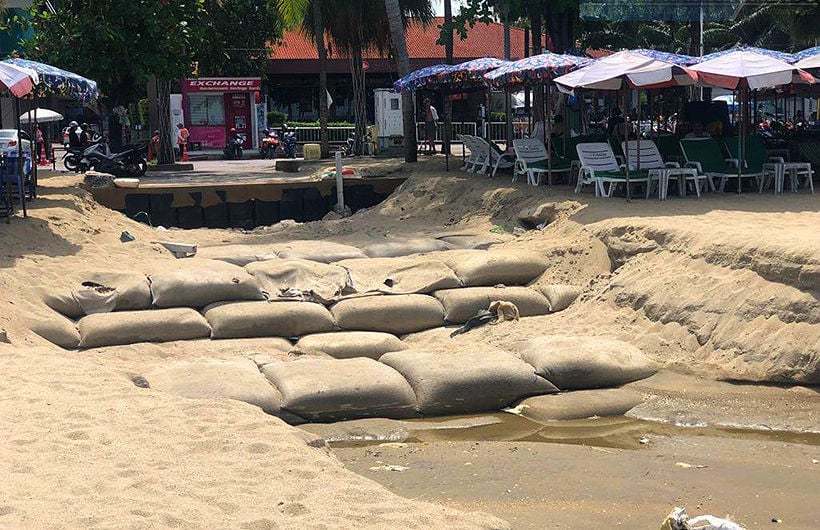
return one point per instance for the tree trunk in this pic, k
(359, 99)
(394, 18)
(319, 31)
(166, 149)
(448, 54)
(537, 33)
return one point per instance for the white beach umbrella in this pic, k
(40, 116)
(747, 69)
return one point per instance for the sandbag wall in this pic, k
(346, 307)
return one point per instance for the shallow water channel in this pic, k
(620, 432)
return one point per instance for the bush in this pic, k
(142, 111)
(276, 118)
(316, 124)
(498, 116)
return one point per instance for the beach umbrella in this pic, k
(807, 59)
(420, 78)
(53, 80)
(674, 58)
(745, 69)
(39, 115)
(18, 80)
(774, 54)
(469, 74)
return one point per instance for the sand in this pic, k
(723, 288)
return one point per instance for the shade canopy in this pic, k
(674, 58)
(534, 70)
(808, 59)
(625, 69)
(421, 78)
(470, 74)
(18, 80)
(40, 116)
(53, 80)
(744, 68)
(774, 54)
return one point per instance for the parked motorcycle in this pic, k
(351, 144)
(270, 144)
(233, 149)
(290, 144)
(131, 161)
(72, 158)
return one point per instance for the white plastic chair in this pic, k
(599, 166)
(660, 171)
(530, 159)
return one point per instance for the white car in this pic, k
(9, 139)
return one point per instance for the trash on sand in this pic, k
(776, 520)
(518, 231)
(127, 236)
(678, 519)
(515, 410)
(180, 250)
(389, 467)
(497, 230)
(393, 445)
(644, 440)
(815, 461)
(684, 465)
(541, 226)
(481, 318)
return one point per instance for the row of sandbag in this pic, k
(197, 283)
(396, 314)
(409, 382)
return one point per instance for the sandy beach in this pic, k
(721, 292)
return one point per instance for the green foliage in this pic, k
(498, 116)
(316, 124)
(276, 117)
(143, 107)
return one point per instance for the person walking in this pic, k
(430, 122)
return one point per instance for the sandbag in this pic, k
(239, 255)
(350, 344)
(462, 304)
(399, 275)
(467, 381)
(404, 247)
(397, 314)
(580, 404)
(572, 362)
(267, 319)
(560, 296)
(237, 379)
(340, 389)
(197, 283)
(55, 328)
(491, 267)
(470, 241)
(314, 281)
(321, 251)
(129, 327)
(131, 291)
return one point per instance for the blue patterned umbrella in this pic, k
(535, 69)
(470, 74)
(805, 54)
(780, 56)
(808, 59)
(53, 80)
(674, 58)
(420, 78)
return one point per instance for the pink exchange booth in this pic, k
(214, 105)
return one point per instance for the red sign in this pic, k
(365, 66)
(222, 84)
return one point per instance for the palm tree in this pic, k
(394, 19)
(448, 59)
(319, 37)
(357, 27)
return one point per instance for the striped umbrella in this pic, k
(780, 56)
(421, 78)
(534, 70)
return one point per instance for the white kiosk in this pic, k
(389, 123)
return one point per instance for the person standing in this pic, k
(430, 122)
(182, 138)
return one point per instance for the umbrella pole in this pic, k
(34, 155)
(626, 151)
(548, 136)
(740, 142)
(20, 159)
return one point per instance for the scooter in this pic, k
(233, 149)
(72, 157)
(131, 161)
(270, 144)
(290, 144)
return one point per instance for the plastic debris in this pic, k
(678, 519)
(683, 465)
(644, 440)
(389, 467)
(127, 237)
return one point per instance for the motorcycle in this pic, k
(270, 144)
(131, 161)
(233, 149)
(290, 144)
(72, 158)
(349, 148)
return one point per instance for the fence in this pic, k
(496, 131)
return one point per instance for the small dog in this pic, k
(504, 311)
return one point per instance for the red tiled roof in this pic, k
(483, 40)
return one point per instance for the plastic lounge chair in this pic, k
(468, 144)
(599, 166)
(480, 159)
(660, 171)
(669, 147)
(498, 159)
(532, 159)
(774, 168)
(706, 155)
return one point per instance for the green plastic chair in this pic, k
(707, 156)
(599, 167)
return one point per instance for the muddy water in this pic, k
(619, 432)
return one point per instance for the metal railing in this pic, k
(495, 129)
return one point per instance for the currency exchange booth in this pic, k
(214, 105)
